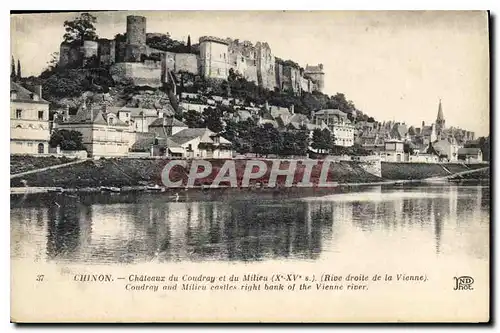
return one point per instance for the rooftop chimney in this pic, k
(292, 109)
(38, 90)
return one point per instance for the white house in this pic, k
(448, 147)
(393, 151)
(338, 124)
(103, 133)
(29, 121)
(202, 143)
(470, 155)
(166, 126)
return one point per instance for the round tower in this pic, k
(136, 38)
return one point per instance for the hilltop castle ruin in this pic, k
(131, 58)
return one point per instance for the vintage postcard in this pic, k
(250, 166)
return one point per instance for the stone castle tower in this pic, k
(316, 74)
(136, 38)
(440, 122)
(214, 57)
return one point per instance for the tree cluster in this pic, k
(164, 42)
(210, 118)
(248, 137)
(66, 140)
(80, 29)
(15, 74)
(482, 143)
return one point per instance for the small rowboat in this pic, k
(110, 189)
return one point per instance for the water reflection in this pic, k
(144, 227)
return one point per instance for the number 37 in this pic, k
(40, 277)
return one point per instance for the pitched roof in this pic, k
(277, 111)
(298, 118)
(189, 134)
(399, 130)
(167, 121)
(140, 112)
(89, 115)
(331, 112)
(25, 95)
(469, 151)
(426, 130)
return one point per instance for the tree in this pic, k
(189, 44)
(67, 140)
(19, 75)
(12, 69)
(193, 119)
(340, 102)
(322, 140)
(80, 29)
(52, 65)
(295, 142)
(213, 119)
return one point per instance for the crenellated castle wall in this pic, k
(217, 56)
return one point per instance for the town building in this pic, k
(393, 151)
(29, 121)
(338, 124)
(447, 147)
(470, 155)
(103, 133)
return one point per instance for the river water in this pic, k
(235, 226)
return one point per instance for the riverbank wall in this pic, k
(415, 171)
(142, 172)
(121, 172)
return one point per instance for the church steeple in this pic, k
(440, 122)
(440, 116)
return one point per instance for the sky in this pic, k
(393, 65)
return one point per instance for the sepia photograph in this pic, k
(250, 166)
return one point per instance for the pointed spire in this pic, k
(440, 115)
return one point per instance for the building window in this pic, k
(40, 115)
(190, 147)
(30, 144)
(41, 148)
(19, 113)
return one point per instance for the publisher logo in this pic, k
(463, 283)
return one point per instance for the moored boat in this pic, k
(155, 188)
(111, 189)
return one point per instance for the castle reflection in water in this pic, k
(144, 227)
